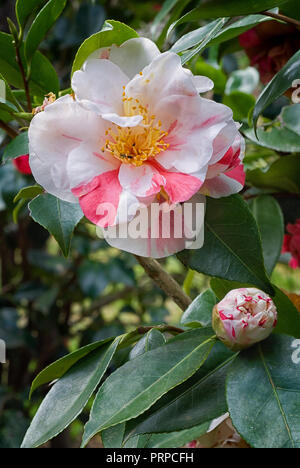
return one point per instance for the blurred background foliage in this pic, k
(50, 305)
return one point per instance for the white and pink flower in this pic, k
(136, 132)
(244, 317)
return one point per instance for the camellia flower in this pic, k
(244, 317)
(22, 164)
(269, 46)
(135, 133)
(292, 243)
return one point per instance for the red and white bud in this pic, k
(244, 317)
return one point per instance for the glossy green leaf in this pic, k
(19, 146)
(279, 139)
(217, 8)
(68, 396)
(279, 84)
(113, 436)
(282, 175)
(28, 193)
(269, 218)
(42, 24)
(194, 38)
(151, 340)
(200, 311)
(197, 401)
(238, 27)
(176, 439)
(58, 368)
(291, 118)
(145, 379)
(113, 32)
(263, 394)
(24, 9)
(211, 31)
(288, 315)
(229, 227)
(57, 216)
(165, 10)
(245, 81)
(43, 75)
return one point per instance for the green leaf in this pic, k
(177, 439)
(197, 401)
(279, 84)
(232, 248)
(9, 95)
(43, 76)
(58, 368)
(200, 311)
(145, 379)
(217, 8)
(19, 146)
(288, 315)
(68, 396)
(237, 28)
(151, 340)
(281, 176)
(113, 436)
(210, 32)
(113, 32)
(24, 9)
(166, 8)
(263, 390)
(28, 193)
(240, 103)
(269, 218)
(279, 139)
(57, 216)
(291, 118)
(41, 25)
(196, 37)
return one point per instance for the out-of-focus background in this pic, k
(50, 305)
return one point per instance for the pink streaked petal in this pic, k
(100, 198)
(180, 187)
(238, 174)
(142, 181)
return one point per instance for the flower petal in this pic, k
(127, 121)
(225, 184)
(86, 162)
(172, 233)
(53, 134)
(100, 82)
(140, 180)
(203, 84)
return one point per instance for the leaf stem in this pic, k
(165, 281)
(9, 130)
(281, 17)
(25, 80)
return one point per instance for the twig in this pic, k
(281, 17)
(9, 130)
(25, 81)
(165, 281)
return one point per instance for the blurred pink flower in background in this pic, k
(22, 164)
(291, 243)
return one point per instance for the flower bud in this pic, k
(244, 317)
(21, 163)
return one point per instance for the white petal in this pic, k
(134, 55)
(53, 134)
(132, 121)
(203, 84)
(101, 82)
(86, 162)
(138, 180)
(164, 77)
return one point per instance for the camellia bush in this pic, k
(151, 165)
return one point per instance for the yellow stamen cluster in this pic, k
(138, 144)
